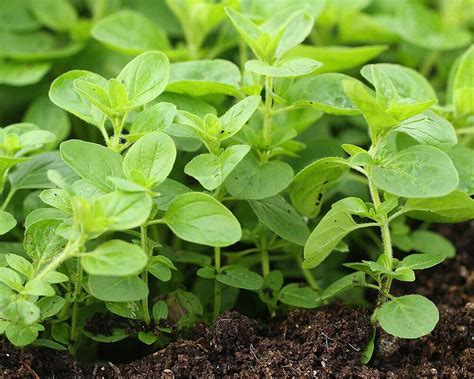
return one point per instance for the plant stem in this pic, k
(308, 275)
(217, 285)
(71, 248)
(9, 197)
(75, 306)
(267, 113)
(144, 275)
(264, 256)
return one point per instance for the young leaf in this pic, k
(236, 117)
(156, 118)
(150, 158)
(37, 287)
(160, 267)
(130, 32)
(92, 162)
(20, 265)
(117, 289)
(333, 227)
(50, 306)
(199, 218)
(160, 311)
(422, 261)
(416, 172)
(22, 335)
(240, 277)
(410, 316)
(114, 258)
(281, 218)
(253, 180)
(301, 297)
(287, 68)
(58, 15)
(62, 94)
(145, 77)
(10, 278)
(343, 284)
(311, 183)
(211, 171)
(94, 93)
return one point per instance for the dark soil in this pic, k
(321, 343)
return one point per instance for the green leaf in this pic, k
(237, 116)
(58, 15)
(7, 222)
(117, 289)
(190, 302)
(199, 218)
(50, 306)
(452, 208)
(463, 104)
(287, 68)
(114, 258)
(337, 58)
(410, 316)
(115, 336)
(42, 243)
(22, 335)
(310, 184)
(33, 174)
(16, 15)
(55, 277)
(62, 94)
(160, 267)
(160, 311)
(10, 278)
(326, 93)
(253, 180)
(301, 297)
(429, 129)
(22, 74)
(145, 77)
(37, 287)
(130, 32)
(151, 158)
(47, 116)
(281, 218)
(408, 83)
(168, 191)
(94, 93)
(92, 162)
(343, 284)
(240, 277)
(422, 261)
(463, 159)
(147, 338)
(131, 309)
(203, 77)
(211, 170)
(20, 311)
(20, 265)
(428, 242)
(125, 210)
(425, 28)
(333, 227)
(464, 73)
(156, 118)
(416, 172)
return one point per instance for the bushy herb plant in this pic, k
(189, 185)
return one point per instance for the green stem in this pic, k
(217, 285)
(267, 113)
(242, 54)
(9, 197)
(75, 306)
(308, 275)
(265, 259)
(71, 248)
(144, 275)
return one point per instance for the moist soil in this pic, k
(323, 343)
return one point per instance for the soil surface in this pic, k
(321, 343)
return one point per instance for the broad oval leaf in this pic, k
(150, 160)
(58, 15)
(326, 93)
(417, 172)
(281, 218)
(410, 316)
(253, 180)
(199, 218)
(463, 159)
(92, 162)
(130, 32)
(117, 289)
(7, 222)
(235, 118)
(145, 77)
(62, 94)
(310, 184)
(301, 297)
(155, 118)
(114, 258)
(287, 68)
(240, 277)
